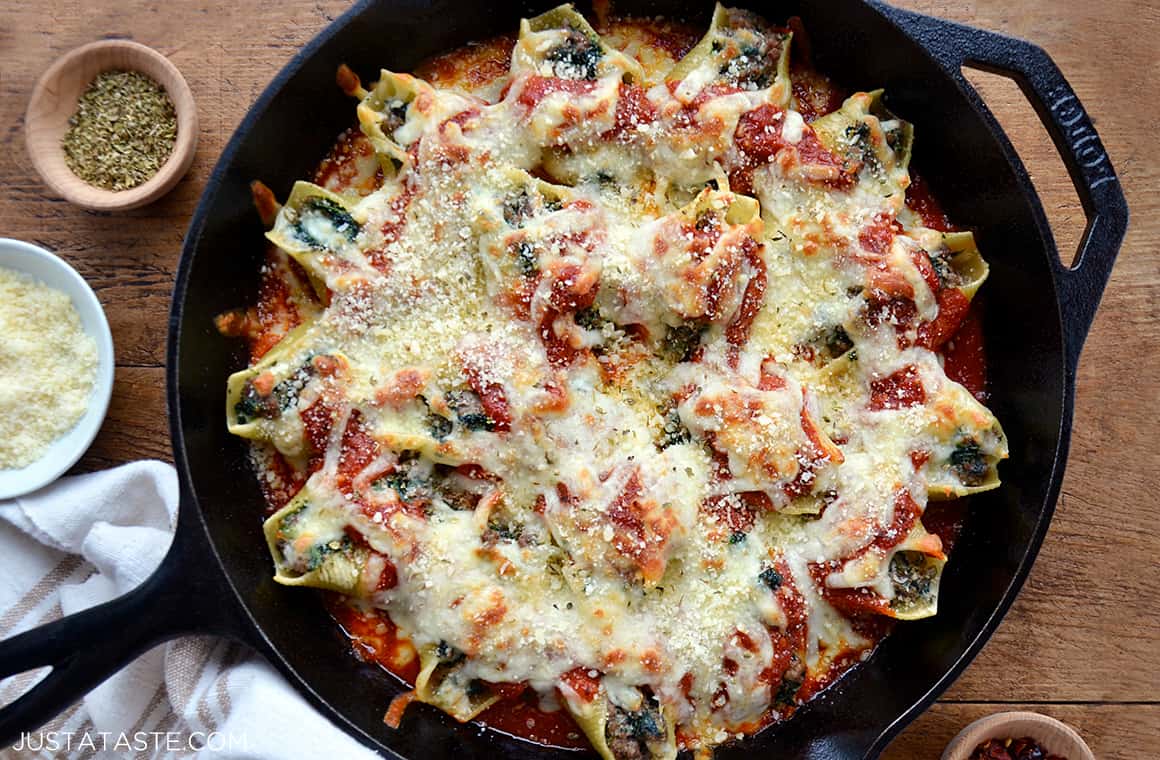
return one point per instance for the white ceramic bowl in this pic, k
(1053, 735)
(66, 450)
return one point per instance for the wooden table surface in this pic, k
(1081, 643)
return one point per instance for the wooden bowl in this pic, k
(54, 101)
(1053, 735)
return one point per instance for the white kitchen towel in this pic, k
(87, 539)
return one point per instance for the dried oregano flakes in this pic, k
(123, 130)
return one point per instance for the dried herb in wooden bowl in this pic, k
(123, 130)
(1012, 749)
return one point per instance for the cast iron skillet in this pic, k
(217, 576)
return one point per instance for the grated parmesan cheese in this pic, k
(48, 366)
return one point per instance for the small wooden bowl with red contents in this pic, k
(1055, 737)
(54, 101)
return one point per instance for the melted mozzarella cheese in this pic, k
(568, 430)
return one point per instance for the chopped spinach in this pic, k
(895, 139)
(681, 341)
(468, 408)
(504, 530)
(645, 724)
(604, 179)
(969, 463)
(518, 208)
(397, 114)
(439, 426)
(589, 319)
(526, 258)
(286, 393)
(751, 69)
(838, 341)
(250, 406)
(447, 654)
(628, 732)
(674, 431)
(407, 481)
(787, 691)
(576, 57)
(291, 519)
(319, 552)
(334, 213)
(771, 578)
(862, 146)
(941, 262)
(913, 575)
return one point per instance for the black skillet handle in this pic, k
(1081, 285)
(186, 594)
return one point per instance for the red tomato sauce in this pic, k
(737, 331)
(537, 88)
(358, 449)
(733, 512)
(571, 291)
(810, 457)
(674, 37)
(758, 139)
(920, 199)
(633, 110)
(952, 308)
(276, 313)
(479, 63)
(393, 229)
(922, 262)
(812, 152)
(877, 236)
(339, 171)
(964, 354)
(841, 662)
(945, 520)
(897, 391)
(317, 420)
(522, 716)
(281, 483)
(492, 397)
(814, 95)
(377, 640)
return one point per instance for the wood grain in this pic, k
(1080, 643)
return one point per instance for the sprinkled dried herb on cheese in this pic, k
(123, 131)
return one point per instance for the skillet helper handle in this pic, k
(1080, 285)
(86, 648)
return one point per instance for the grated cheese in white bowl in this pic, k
(48, 366)
(56, 367)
